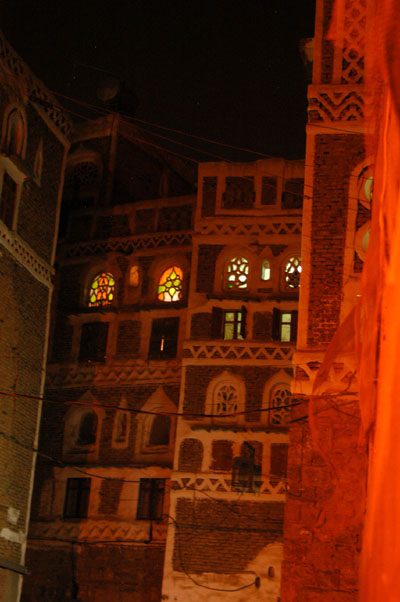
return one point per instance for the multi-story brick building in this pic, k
(168, 307)
(33, 148)
(327, 462)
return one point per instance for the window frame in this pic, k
(77, 488)
(151, 497)
(277, 324)
(162, 344)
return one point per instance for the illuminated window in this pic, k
(280, 398)
(170, 285)
(292, 273)
(226, 399)
(237, 271)
(134, 276)
(102, 290)
(163, 338)
(233, 325)
(265, 270)
(284, 325)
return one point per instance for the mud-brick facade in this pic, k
(167, 307)
(327, 464)
(99, 515)
(227, 487)
(33, 146)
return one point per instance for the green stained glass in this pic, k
(170, 285)
(102, 290)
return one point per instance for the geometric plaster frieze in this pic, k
(235, 352)
(98, 530)
(221, 483)
(25, 255)
(127, 245)
(266, 227)
(72, 375)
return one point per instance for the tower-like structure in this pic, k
(33, 147)
(228, 483)
(327, 468)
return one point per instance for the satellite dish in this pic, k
(108, 89)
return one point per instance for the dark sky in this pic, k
(229, 71)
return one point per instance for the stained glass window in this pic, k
(102, 290)
(170, 285)
(292, 272)
(237, 273)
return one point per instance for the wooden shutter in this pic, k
(293, 330)
(216, 323)
(276, 324)
(243, 322)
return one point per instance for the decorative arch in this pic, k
(121, 426)
(170, 285)
(156, 426)
(82, 428)
(225, 396)
(236, 273)
(102, 290)
(290, 271)
(82, 178)
(15, 131)
(234, 270)
(277, 395)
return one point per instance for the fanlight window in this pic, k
(292, 272)
(237, 272)
(280, 398)
(226, 399)
(102, 290)
(170, 285)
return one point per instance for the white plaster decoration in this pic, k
(26, 256)
(75, 375)
(331, 103)
(212, 352)
(222, 483)
(129, 244)
(98, 530)
(341, 377)
(30, 86)
(279, 226)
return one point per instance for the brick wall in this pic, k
(223, 537)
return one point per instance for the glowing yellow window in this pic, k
(102, 290)
(134, 276)
(170, 285)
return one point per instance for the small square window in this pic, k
(151, 499)
(232, 326)
(284, 326)
(77, 498)
(164, 338)
(93, 342)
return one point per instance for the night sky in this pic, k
(227, 71)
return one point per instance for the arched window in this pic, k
(38, 165)
(225, 399)
(265, 270)
(102, 290)
(160, 429)
(15, 133)
(279, 398)
(121, 427)
(237, 272)
(292, 272)
(134, 276)
(170, 285)
(87, 429)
